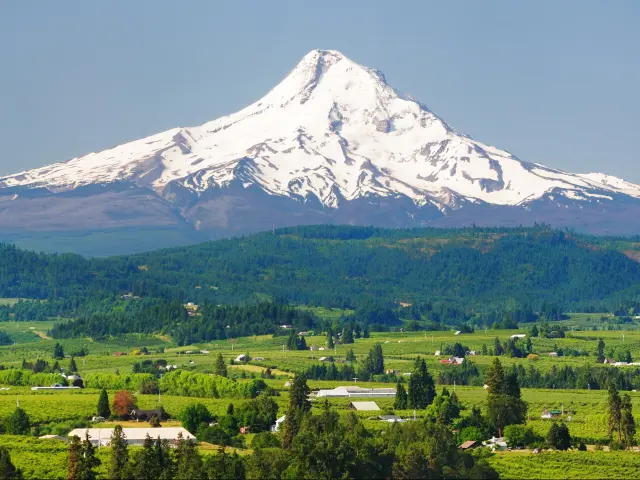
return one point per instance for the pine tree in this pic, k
(188, 460)
(220, 367)
(401, 398)
(504, 403)
(82, 459)
(144, 465)
(600, 352)
(7, 468)
(119, 454)
(330, 343)
(347, 334)
(74, 458)
(302, 343)
(558, 436)
(615, 411)
(351, 357)
(422, 389)
(163, 459)
(58, 352)
(72, 366)
(18, 423)
(627, 422)
(103, 409)
(299, 405)
(534, 331)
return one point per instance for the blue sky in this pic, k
(554, 82)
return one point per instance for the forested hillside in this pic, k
(341, 267)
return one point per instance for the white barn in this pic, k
(134, 436)
(356, 391)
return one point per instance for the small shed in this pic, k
(364, 406)
(469, 445)
(279, 421)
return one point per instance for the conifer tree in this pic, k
(330, 343)
(350, 357)
(347, 334)
(614, 403)
(119, 454)
(188, 460)
(627, 422)
(144, 465)
(422, 389)
(299, 405)
(504, 403)
(220, 367)
(58, 352)
(163, 459)
(18, 423)
(103, 409)
(600, 351)
(7, 468)
(74, 458)
(401, 398)
(72, 366)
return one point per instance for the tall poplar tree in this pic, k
(614, 403)
(103, 409)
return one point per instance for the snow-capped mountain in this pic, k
(327, 143)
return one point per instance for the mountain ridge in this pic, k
(331, 137)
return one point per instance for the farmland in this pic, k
(584, 409)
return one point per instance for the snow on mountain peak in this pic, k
(332, 130)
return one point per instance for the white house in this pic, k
(279, 421)
(496, 443)
(241, 358)
(437, 354)
(519, 335)
(134, 436)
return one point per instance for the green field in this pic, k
(585, 407)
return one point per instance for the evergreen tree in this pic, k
(163, 459)
(103, 409)
(72, 366)
(534, 331)
(365, 331)
(614, 403)
(74, 458)
(220, 367)
(58, 352)
(347, 334)
(302, 343)
(330, 343)
(18, 423)
(299, 393)
(600, 352)
(627, 422)
(82, 460)
(497, 349)
(422, 389)
(292, 341)
(351, 357)
(299, 405)
(144, 465)
(188, 460)
(504, 403)
(558, 436)
(7, 468)
(401, 402)
(119, 454)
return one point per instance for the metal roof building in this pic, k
(356, 391)
(134, 436)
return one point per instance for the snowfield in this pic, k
(334, 130)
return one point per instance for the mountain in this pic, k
(332, 143)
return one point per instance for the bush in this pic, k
(265, 440)
(519, 435)
(18, 423)
(558, 436)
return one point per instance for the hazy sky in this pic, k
(555, 82)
